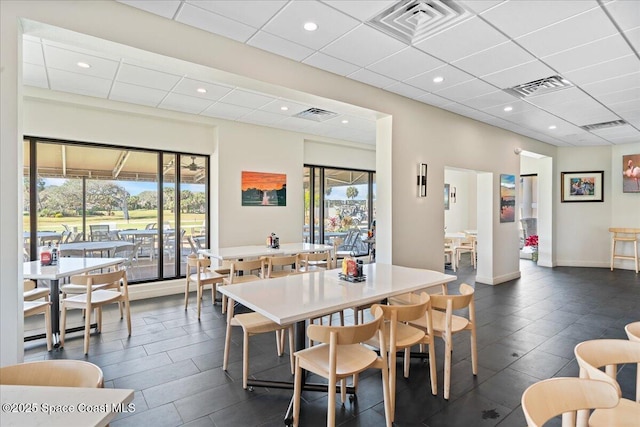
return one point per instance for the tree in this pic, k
(107, 196)
(352, 192)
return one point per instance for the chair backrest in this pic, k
(595, 354)
(353, 243)
(61, 373)
(193, 261)
(406, 312)
(345, 335)
(245, 266)
(455, 302)
(315, 258)
(79, 237)
(549, 398)
(113, 280)
(99, 232)
(281, 261)
(633, 331)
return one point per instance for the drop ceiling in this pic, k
(483, 48)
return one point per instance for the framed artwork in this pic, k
(631, 173)
(582, 186)
(507, 198)
(264, 189)
(447, 189)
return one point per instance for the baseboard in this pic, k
(498, 279)
(157, 289)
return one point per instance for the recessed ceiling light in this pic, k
(83, 65)
(507, 109)
(552, 127)
(201, 90)
(284, 108)
(310, 26)
(344, 122)
(438, 79)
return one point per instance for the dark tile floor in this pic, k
(527, 329)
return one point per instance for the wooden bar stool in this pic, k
(628, 235)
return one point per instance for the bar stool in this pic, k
(628, 235)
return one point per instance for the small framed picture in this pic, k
(582, 186)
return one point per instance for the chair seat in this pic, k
(439, 321)
(351, 358)
(35, 307)
(255, 323)
(79, 289)
(100, 296)
(243, 279)
(207, 276)
(626, 414)
(406, 336)
(282, 273)
(36, 293)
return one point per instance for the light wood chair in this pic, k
(100, 289)
(625, 235)
(251, 323)
(633, 331)
(341, 356)
(286, 264)
(450, 253)
(468, 245)
(399, 335)
(547, 399)
(61, 373)
(446, 324)
(609, 353)
(33, 306)
(202, 277)
(315, 261)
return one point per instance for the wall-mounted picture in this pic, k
(264, 189)
(582, 186)
(446, 196)
(507, 198)
(631, 173)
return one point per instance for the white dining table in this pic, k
(94, 246)
(255, 251)
(66, 267)
(62, 406)
(295, 298)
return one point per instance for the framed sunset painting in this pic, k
(264, 189)
(507, 198)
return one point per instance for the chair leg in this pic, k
(291, 348)
(47, 325)
(392, 378)
(87, 331)
(407, 362)
(343, 390)
(474, 352)
(432, 367)
(126, 304)
(245, 359)
(297, 391)
(199, 299)
(214, 288)
(186, 295)
(331, 400)
(447, 367)
(224, 304)
(63, 324)
(386, 394)
(279, 349)
(227, 342)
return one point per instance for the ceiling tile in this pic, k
(331, 64)
(452, 76)
(558, 97)
(34, 75)
(146, 77)
(255, 13)
(621, 96)
(624, 107)
(295, 123)
(371, 78)
(520, 74)
(213, 23)
(479, 6)
(568, 33)
(489, 100)
(190, 87)
(279, 46)
(634, 38)
(166, 8)
(618, 132)
(263, 117)
(288, 24)
(78, 83)
(67, 60)
(626, 13)
(497, 58)
(613, 85)
(362, 10)
(136, 94)
(185, 104)
(466, 90)
(363, 46)
(226, 111)
(602, 50)
(434, 100)
(517, 107)
(32, 53)
(605, 70)
(247, 99)
(477, 36)
(354, 122)
(405, 64)
(405, 90)
(516, 18)
(292, 107)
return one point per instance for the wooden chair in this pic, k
(469, 245)
(547, 399)
(100, 289)
(61, 373)
(446, 324)
(315, 261)
(202, 277)
(633, 331)
(341, 356)
(33, 306)
(251, 323)
(449, 253)
(625, 235)
(287, 264)
(609, 353)
(399, 335)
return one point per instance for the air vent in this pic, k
(316, 114)
(540, 87)
(604, 125)
(412, 21)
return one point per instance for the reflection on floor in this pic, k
(527, 331)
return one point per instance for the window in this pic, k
(78, 192)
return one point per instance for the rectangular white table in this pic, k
(62, 406)
(296, 298)
(66, 267)
(255, 251)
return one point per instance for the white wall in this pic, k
(461, 214)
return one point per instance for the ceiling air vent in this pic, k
(316, 114)
(604, 125)
(414, 20)
(540, 87)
